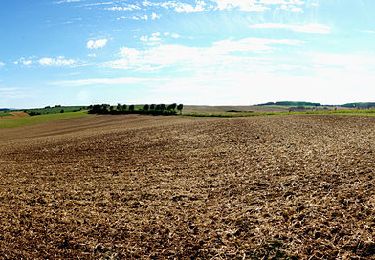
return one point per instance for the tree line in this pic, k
(291, 103)
(153, 109)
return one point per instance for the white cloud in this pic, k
(46, 61)
(252, 45)
(221, 53)
(2, 64)
(187, 8)
(291, 8)
(143, 17)
(67, 1)
(153, 39)
(24, 61)
(11, 93)
(140, 17)
(281, 2)
(155, 16)
(129, 7)
(259, 5)
(96, 44)
(242, 79)
(337, 62)
(177, 6)
(100, 81)
(211, 5)
(172, 35)
(157, 37)
(242, 5)
(251, 87)
(58, 61)
(313, 28)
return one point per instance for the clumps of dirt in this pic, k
(251, 188)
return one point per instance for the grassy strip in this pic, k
(3, 114)
(362, 112)
(53, 110)
(17, 122)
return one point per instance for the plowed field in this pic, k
(121, 187)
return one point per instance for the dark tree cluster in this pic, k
(153, 109)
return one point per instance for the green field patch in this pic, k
(23, 121)
(3, 114)
(53, 110)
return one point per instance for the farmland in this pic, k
(18, 119)
(140, 186)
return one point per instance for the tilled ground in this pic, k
(144, 187)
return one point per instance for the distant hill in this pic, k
(360, 105)
(291, 104)
(4, 109)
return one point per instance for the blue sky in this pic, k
(193, 51)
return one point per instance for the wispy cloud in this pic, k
(160, 56)
(155, 16)
(242, 5)
(59, 61)
(139, 17)
(12, 93)
(24, 61)
(157, 37)
(214, 5)
(300, 28)
(259, 6)
(143, 17)
(178, 6)
(100, 81)
(187, 8)
(128, 7)
(154, 38)
(96, 44)
(67, 1)
(2, 64)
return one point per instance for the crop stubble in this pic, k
(129, 187)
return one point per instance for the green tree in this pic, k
(104, 108)
(146, 107)
(131, 108)
(172, 107)
(180, 107)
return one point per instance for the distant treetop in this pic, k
(290, 104)
(159, 109)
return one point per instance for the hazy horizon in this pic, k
(201, 52)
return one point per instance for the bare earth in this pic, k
(172, 187)
(14, 115)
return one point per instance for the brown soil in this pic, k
(169, 187)
(15, 115)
